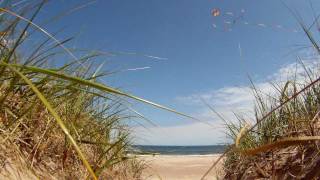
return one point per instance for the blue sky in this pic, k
(197, 59)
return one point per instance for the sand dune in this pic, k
(177, 167)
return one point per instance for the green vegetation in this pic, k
(58, 121)
(283, 143)
(61, 122)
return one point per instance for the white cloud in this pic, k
(225, 100)
(189, 134)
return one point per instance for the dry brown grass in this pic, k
(41, 115)
(284, 141)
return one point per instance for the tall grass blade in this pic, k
(57, 117)
(97, 86)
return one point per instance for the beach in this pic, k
(177, 167)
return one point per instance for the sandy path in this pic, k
(178, 167)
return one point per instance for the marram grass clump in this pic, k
(57, 122)
(283, 143)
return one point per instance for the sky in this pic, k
(173, 52)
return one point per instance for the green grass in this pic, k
(61, 120)
(282, 142)
(288, 123)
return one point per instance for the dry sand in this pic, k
(179, 167)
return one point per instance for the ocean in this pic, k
(179, 150)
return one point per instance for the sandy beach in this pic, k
(177, 167)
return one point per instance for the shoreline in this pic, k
(178, 155)
(174, 167)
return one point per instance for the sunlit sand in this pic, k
(174, 167)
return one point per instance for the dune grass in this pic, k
(59, 121)
(62, 122)
(282, 141)
(285, 144)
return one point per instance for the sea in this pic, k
(179, 150)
